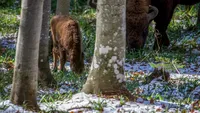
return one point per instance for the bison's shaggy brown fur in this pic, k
(67, 43)
(136, 19)
(138, 16)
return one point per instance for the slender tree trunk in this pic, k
(45, 75)
(24, 87)
(62, 7)
(107, 70)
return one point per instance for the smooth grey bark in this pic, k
(62, 7)
(106, 75)
(25, 79)
(45, 76)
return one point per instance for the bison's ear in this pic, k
(153, 12)
(92, 3)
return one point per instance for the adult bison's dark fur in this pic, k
(67, 43)
(138, 16)
(166, 9)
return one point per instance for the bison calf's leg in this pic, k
(62, 60)
(55, 58)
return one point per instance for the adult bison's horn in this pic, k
(153, 12)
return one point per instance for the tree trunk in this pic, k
(45, 76)
(24, 87)
(107, 70)
(62, 7)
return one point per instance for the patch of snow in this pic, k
(11, 108)
(189, 76)
(189, 69)
(195, 94)
(86, 102)
(3, 70)
(138, 66)
(195, 51)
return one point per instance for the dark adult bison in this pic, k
(166, 9)
(138, 16)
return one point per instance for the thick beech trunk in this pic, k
(106, 75)
(24, 87)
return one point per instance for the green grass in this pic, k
(56, 96)
(99, 105)
(75, 80)
(71, 77)
(5, 80)
(6, 62)
(9, 22)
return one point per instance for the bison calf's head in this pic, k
(139, 16)
(77, 64)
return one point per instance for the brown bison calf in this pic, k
(67, 43)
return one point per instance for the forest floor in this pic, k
(180, 93)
